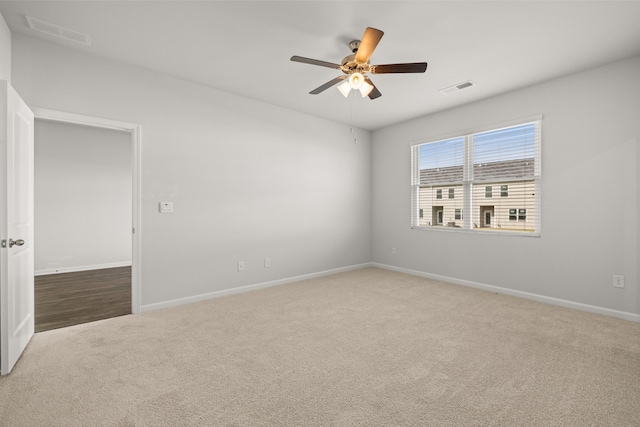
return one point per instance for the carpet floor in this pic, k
(368, 347)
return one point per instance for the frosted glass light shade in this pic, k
(365, 89)
(356, 80)
(344, 88)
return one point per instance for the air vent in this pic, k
(455, 88)
(58, 31)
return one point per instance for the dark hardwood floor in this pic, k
(72, 298)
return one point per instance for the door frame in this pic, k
(136, 139)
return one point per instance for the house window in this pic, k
(517, 214)
(470, 166)
(421, 213)
(522, 214)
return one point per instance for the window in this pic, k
(522, 214)
(517, 214)
(421, 213)
(469, 167)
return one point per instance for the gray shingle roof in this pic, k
(481, 171)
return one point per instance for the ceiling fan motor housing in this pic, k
(349, 63)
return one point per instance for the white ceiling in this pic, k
(244, 47)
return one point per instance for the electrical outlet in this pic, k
(267, 262)
(240, 265)
(393, 251)
(618, 281)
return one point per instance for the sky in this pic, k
(516, 142)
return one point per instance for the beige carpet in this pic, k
(364, 348)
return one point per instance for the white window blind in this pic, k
(471, 171)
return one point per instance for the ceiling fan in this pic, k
(355, 67)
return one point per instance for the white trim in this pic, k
(80, 119)
(633, 317)
(81, 268)
(136, 172)
(247, 288)
(486, 231)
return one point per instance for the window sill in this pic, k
(492, 232)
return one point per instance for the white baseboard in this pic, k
(81, 268)
(535, 297)
(246, 288)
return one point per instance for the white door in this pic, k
(16, 227)
(487, 218)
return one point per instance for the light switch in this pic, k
(166, 207)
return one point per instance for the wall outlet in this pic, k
(393, 251)
(267, 262)
(618, 281)
(240, 265)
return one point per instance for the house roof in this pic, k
(481, 172)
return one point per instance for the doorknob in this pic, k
(18, 242)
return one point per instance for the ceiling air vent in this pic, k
(455, 88)
(58, 31)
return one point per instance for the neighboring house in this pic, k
(507, 205)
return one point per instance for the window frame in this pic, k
(468, 184)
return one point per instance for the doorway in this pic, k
(437, 215)
(87, 215)
(486, 216)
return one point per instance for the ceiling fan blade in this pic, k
(369, 41)
(375, 93)
(414, 67)
(327, 85)
(315, 62)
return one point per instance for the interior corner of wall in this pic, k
(5, 50)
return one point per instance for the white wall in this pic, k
(248, 180)
(590, 194)
(5, 50)
(83, 187)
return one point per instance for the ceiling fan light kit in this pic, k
(355, 66)
(357, 83)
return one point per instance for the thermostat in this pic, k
(166, 207)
